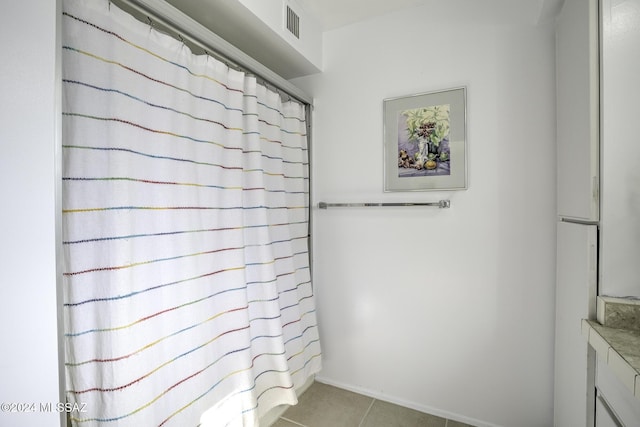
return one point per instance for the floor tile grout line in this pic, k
(367, 412)
(293, 422)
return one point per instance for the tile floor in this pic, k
(323, 405)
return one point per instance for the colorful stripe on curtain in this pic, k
(185, 232)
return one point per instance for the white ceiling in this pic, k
(333, 14)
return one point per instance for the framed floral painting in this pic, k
(425, 145)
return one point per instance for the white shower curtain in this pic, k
(185, 232)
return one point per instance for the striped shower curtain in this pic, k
(187, 290)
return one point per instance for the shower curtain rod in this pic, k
(187, 29)
(442, 204)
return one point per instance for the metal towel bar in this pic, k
(442, 204)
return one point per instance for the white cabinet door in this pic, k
(604, 417)
(624, 406)
(577, 66)
(576, 277)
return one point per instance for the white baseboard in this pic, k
(401, 402)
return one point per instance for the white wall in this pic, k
(28, 360)
(447, 311)
(258, 28)
(272, 12)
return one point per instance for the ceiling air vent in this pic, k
(293, 22)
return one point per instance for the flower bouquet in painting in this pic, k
(423, 142)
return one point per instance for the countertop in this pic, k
(619, 347)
